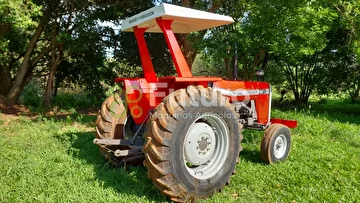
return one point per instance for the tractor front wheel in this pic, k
(192, 144)
(276, 143)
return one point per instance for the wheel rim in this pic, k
(280, 146)
(206, 146)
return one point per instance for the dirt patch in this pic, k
(12, 112)
(15, 110)
(62, 114)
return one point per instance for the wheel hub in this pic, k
(200, 144)
(206, 146)
(203, 143)
(280, 146)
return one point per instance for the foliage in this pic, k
(219, 44)
(14, 16)
(317, 37)
(78, 100)
(203, 63)
(342, 68)
(31, 97)
(293, 35)
(124, 69)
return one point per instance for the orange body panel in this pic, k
(288, 123)
(245, 91)
(143, 96)
(181, 66)
(146, 62)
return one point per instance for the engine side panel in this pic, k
(245, 92)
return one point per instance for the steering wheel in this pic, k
(202, 73)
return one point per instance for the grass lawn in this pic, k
(54, 160)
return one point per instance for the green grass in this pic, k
(50, 160)
(339, 106)
(324, 164)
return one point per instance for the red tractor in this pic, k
(187, 128)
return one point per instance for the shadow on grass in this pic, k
(84, 119)
(340, 117)
(251, 156)
(132, 181)
(250, 145)
(342, 112)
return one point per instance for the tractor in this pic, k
(186, 129)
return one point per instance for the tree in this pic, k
(342, 70)
(46, 39)
(17, 46)
(221, 43)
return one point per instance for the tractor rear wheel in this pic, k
(276, 143)
(192, 144)
(112, 122)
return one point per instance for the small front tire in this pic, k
(276, 143)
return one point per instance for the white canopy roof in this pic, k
(186, 20)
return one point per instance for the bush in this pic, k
(31, 96)
(322, 101)
(75, 100)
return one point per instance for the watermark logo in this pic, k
(139, 101)
(193, 115)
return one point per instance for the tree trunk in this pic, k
(5, 80)
(49, 83)
(15, 89)
(187, 49)
(55, 60)
(56, 54)
(4, 28)
(296, 94)
(57, 84)
(355, 93)
(228, 70)
(266, 61)
(2, 101)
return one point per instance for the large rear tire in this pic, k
(192, 144)
(112, 122)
